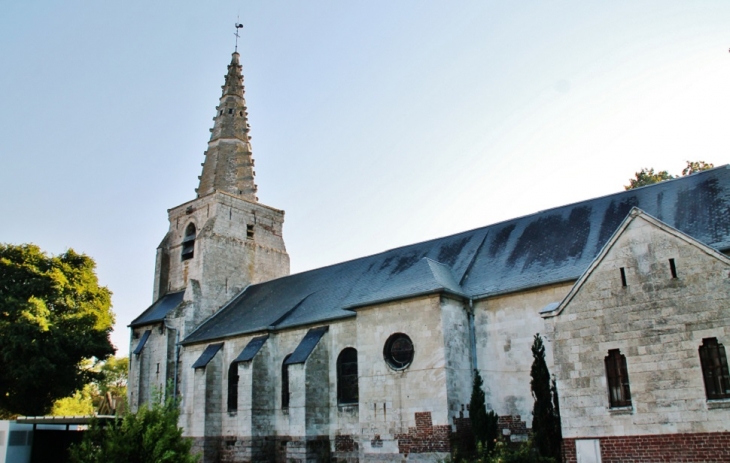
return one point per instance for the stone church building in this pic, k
(373, 359)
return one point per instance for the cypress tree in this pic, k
(478, 410)
(483, 424)
(545, 419)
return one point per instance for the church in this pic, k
(372, 360)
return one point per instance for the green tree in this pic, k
(53, 315)
(647, 176)
(698, 166)
(483, 424)
(112, 379)
(149, 436)
(545, 420)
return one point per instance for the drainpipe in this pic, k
(472, 335)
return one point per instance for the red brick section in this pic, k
(344, 443)
(425, 437)
(710, 447)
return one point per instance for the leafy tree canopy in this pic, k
(112, 379)
(53, 315)
(150, 435)
(647, 176)
(699, 166)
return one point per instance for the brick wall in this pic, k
(425, 437)
(709, 447)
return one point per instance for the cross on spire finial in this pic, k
(238, 26)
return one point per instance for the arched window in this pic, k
(347, 392)
(233, 387)
(188, 243)
(285, 383)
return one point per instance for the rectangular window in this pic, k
(249, 232)
(715, 369)
(623, 277)
(619, 393)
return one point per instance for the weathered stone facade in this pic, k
(373, 359)
(658, 322)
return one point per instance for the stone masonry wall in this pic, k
(658, 323)
(505, 327)
(389, 399)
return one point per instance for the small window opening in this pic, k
(619, 393)
(715, 369)
(285, 383)
(623, 277)
(233, 387)
(347, 389)
(249, 232)
(158, 369)
(230, 111)
(188, 246)
(221, 112)
(673, 268)
(398, 351)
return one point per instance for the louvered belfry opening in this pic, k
(619, 393)
(188, 244)
(715, 369)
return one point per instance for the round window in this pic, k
(398, 351)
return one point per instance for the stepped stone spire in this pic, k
(229, 161)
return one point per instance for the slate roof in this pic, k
(550, 246)
(159, 310)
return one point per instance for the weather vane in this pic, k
(238, 26)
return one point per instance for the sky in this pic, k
(375, 124)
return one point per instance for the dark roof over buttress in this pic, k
(159, 310)
(547, 247)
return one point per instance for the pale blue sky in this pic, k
(375, 124)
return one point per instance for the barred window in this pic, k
(233, 387)
(715, 369)
(619, 393)
(285, 383)
(347, 391)
(188, 244)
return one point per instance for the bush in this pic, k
(149, 436)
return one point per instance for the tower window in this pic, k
(347, 390)
(233, 387)
(285, 383)
(619, 393)
(249, 232)
(623, 277)
(715, 369)
(673, 268)
(188, 244)
(230, 111)
(240, 113)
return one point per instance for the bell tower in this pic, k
(224, 240)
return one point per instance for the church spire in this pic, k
(229, 162)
